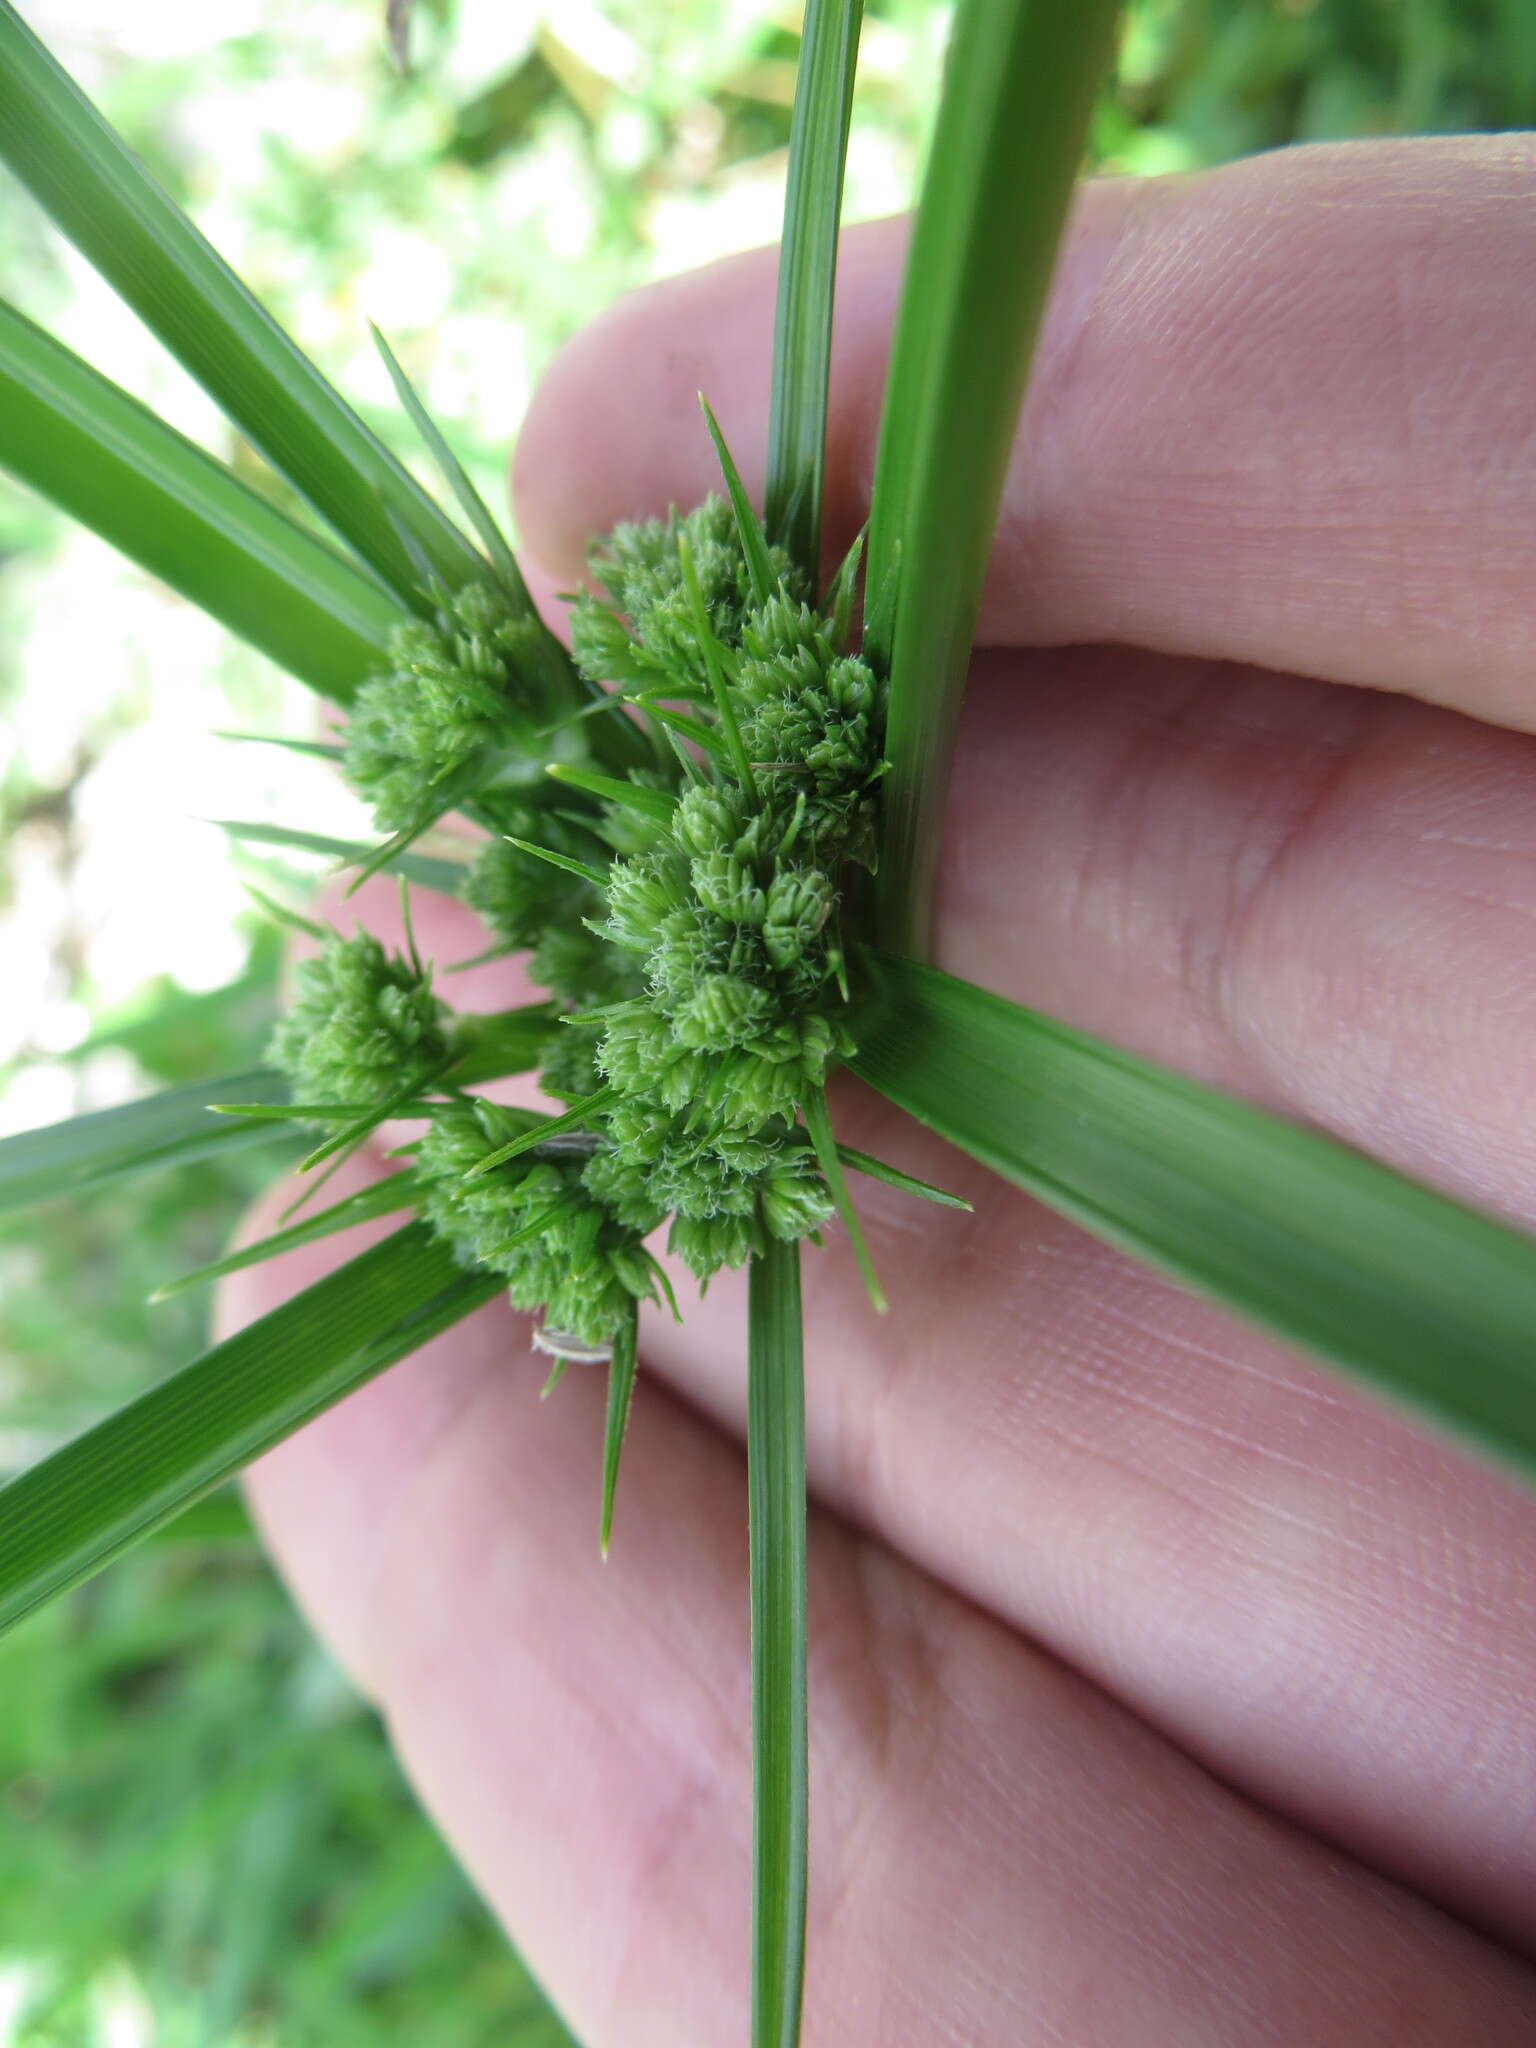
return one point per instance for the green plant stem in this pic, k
(802, 335)
(1018, 92)
(780, 1761)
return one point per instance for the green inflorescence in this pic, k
(363, 1024)
(456, 693)
(686, 920)
(562, 1250)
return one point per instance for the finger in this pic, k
(1001, 1855)
(1154, 850)
(1326, 902)
(1279, 415)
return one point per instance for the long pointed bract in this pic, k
(121, 221)
(110, 463)
(802, 344)
(77, 1510)
(1018, 92)
(168, 1129)
(1429, 1301)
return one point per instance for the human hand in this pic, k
(1163, 1690)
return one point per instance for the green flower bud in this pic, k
(725, 886)
(363, 1025)
(710, 819)
(724, 1011)
(463, 682)
(798, 905)
(582, 1270)
(641, 893)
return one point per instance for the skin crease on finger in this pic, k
(1320, 898)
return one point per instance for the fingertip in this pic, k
(615, 431)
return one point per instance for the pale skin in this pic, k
(1164, 1689)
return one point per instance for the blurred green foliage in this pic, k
(202, 1825)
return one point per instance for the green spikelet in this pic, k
(364, 1024)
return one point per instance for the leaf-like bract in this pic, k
(1426, 1299)
(75, 1511)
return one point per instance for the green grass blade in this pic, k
(1430, 1302)
(780, 1762)
(571, 1119)
(621, 1394)
(829, 1158)
(454, 474)
(352, 1134)
(102, 197)
(1018, 93)
(77, 1510)
(110, 463)
(424, 870)
(581, 868)
(555, 670)
(164, 1130)
(802, 331)
(381, 1198)
(880, 1169)
(655, 804)
(749, 528)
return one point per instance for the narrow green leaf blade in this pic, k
(163, 1130)
(77, 1510)
(802, 332)
(427, 871)
(110, 463)
(749, 528)
(880, 1169)
(454, 474)
(621, 1394)
(1018, 93)
(571, 1119)
(829, 1158)
(551, 664)
(1432, 1303)
(102, 197)
(780, 1759)
(379, 1198)
(656, 804)
(583, 869)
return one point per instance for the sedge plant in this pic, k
(711, 826)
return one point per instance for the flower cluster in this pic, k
(686, 921)
(534, 1221)
(638, 568)
(731, 914)
(363, 1024)
(459, 694)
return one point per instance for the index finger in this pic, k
(1282, 413)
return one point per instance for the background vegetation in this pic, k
(203, 1840)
